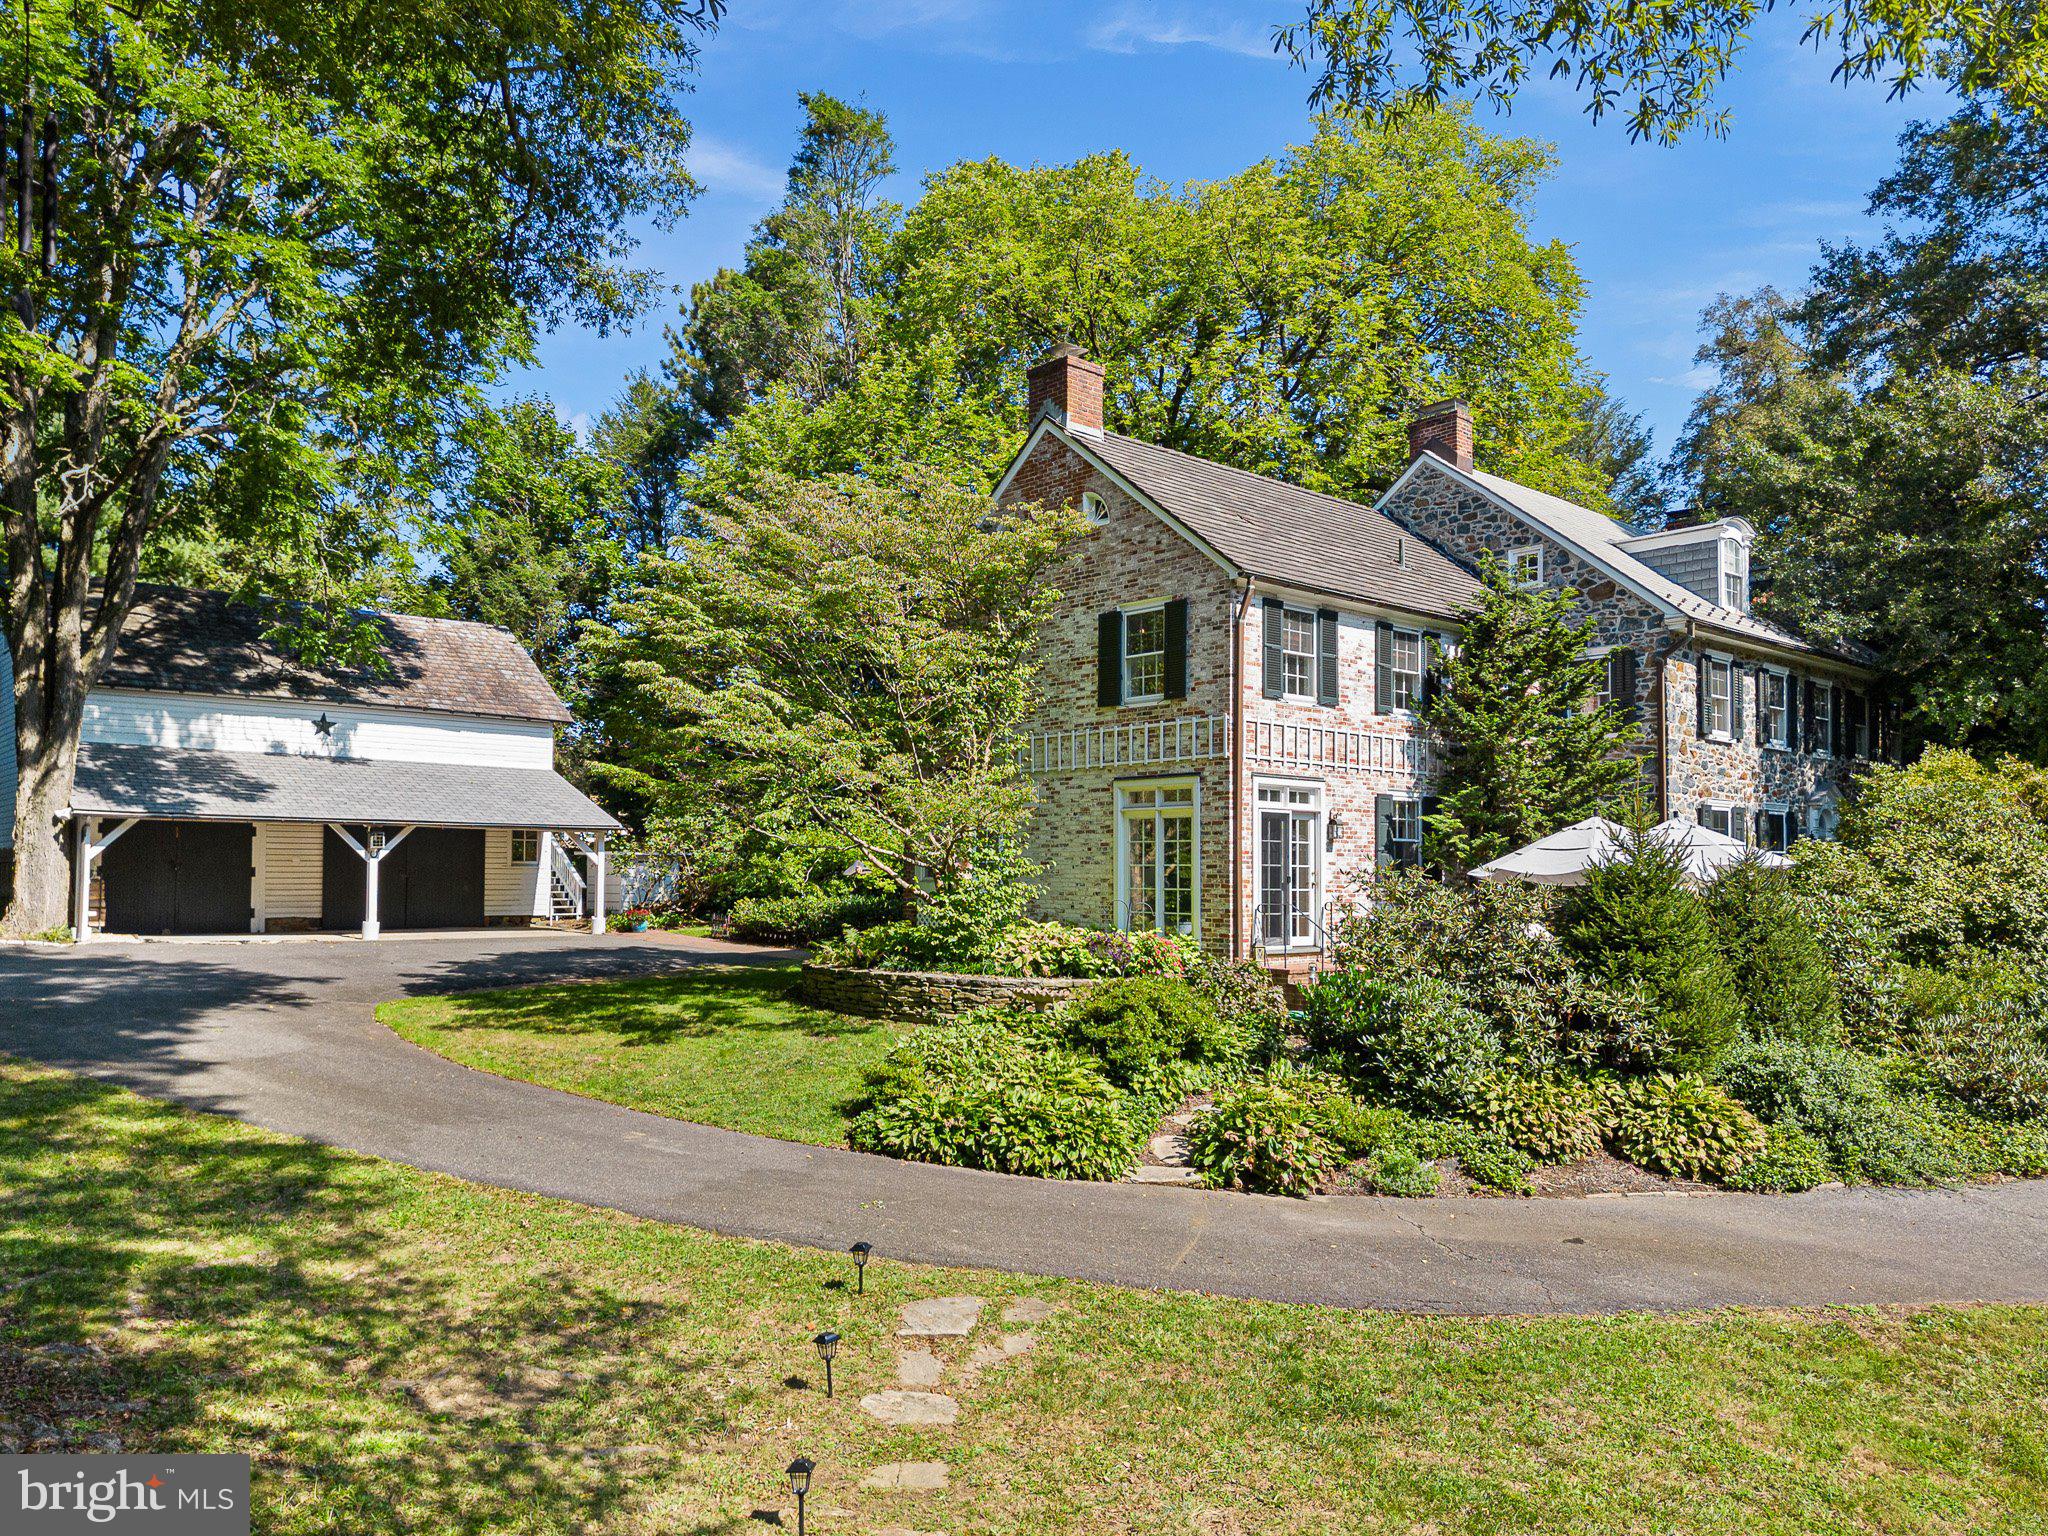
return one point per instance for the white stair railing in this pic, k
(567, 876)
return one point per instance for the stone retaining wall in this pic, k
(923, 996)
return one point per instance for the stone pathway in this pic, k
(934, 1331)
(1166, 1154)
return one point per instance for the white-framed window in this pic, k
(525, 846)
(1145, 654)
(1823, 743)
(1775, 828)
(1776, 704)
(1821, 816)
(1401, 669)
(1717, 697)
(1525, 566)
(1298, 653)
(1858, 724)
(1718, 816)
(1158, 865)
(1290, 833)
(1094, 508)
(1401, 831)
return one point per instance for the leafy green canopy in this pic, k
(1287, 319)
(1527, 747)
(1888, 435)
(845, 654)
(259, 251)
(1660, 64)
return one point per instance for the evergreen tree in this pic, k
(1635, 923)
(1526, 747)
(1787, 988)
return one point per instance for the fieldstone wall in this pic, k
(925, 996)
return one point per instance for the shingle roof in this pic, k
(1602, 537)
(1282, 532)
(266, 786)
(182, 640)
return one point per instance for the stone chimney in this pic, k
(1069, 386)
(1444, 429)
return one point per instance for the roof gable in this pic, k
(184, 640)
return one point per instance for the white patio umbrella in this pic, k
(1564, 857)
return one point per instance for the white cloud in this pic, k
(727, 168)
(1695, 378)
(1135, 28)
(1777, 215)
(578, 422)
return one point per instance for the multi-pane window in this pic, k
(1718, 818)
(1717, 677)
(1402, 674)
(1298, 653)
(1858, 724)
(1775, 828)
(1156, 871)
(1525, 566)
(1403, 833)
(525, 847)
(1144, 655)
(1777, 702)
(1823, 719)
(1290, 840)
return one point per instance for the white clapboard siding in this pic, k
(6, 746)
(118, 717)
(508, 887)
(288, 868)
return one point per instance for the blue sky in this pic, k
(1193, 91)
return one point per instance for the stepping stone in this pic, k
(909, 1409)
(919, 1368)
(1005, 1348)
(908, 1476)
(1169, 1147)
(941, 1317)
(1147, 1174)
(1027, 1309)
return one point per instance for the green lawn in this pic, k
(721, 1045)
(403, 1352)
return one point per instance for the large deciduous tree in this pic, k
(254, 250)
(1528, 746)
(1660, 65)
(847, 655)
(1887, 433)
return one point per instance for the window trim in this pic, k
(1126, 698)
(1710, 661)
(1095, 507)
(519, 833)
(1319, 852)
(1421, 833)
(1514, 555)
(1312, 692)
(1823, 743)
(1727, 809)
(1120, 909)
(1387, 706)
(1782, 741)
(1784, 809)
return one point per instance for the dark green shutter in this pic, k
(1838, 719)
(1430, 644)
(1382, 814)
(1326, 656)
(1736, 720)
(1700, 668)
(1763, 706)
(1177, 648)
(1810, 723)
(1621, 682)
(1109, 659)
(1383, 667)
(1275, 670)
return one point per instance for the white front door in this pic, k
(1290, 864)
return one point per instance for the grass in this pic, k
(403, 1352)
(720, 1045)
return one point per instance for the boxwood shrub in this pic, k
(1134, 1025)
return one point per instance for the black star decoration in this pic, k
(324, 725)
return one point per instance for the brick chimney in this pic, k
(1444, 429)
(1069, 386)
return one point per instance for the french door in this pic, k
(1290, 849)
(1157, 864)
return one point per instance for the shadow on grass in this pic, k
(189, 1285)
(649, 1011)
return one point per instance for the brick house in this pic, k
(1227, 740)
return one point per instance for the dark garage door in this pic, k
(179, 877)
(434, 879)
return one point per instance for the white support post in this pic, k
(597, 881)
(373, 859)
(82, 830)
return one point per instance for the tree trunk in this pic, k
(42, 869)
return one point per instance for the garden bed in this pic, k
(926, 996)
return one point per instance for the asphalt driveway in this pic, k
(284, 1035)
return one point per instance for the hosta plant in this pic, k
(1682, 1126)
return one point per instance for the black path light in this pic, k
(860, 1252)
(828, 1346)
(800, 1472)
